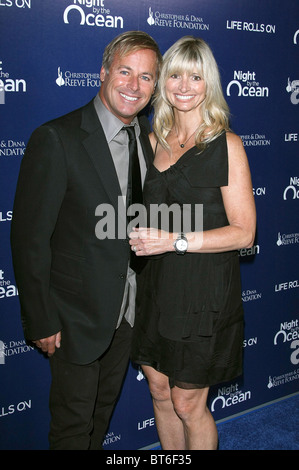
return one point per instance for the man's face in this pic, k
(130, 83)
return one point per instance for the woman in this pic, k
(189, 317)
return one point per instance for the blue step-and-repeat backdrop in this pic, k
(50, 58)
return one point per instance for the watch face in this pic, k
(181, 245)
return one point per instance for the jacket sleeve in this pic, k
(40, 191)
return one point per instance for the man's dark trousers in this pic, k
(82, 397)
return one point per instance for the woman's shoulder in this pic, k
(233, 140)
(236, 151)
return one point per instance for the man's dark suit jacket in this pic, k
(67, 278)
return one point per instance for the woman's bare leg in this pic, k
(169, 425)
(183, 419)
(199, 425)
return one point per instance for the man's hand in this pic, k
(48, 345)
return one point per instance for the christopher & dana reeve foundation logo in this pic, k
(187, 21)
(70, 78)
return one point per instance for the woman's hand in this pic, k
(151, 241)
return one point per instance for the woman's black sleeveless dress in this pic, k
(189, 314)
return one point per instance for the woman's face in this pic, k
(185, 91)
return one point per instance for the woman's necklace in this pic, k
(183, 145)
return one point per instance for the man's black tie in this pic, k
(134, 192)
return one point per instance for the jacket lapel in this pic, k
(98, 150)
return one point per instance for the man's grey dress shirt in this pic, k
(118, 142)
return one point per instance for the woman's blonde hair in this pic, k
(190, 54)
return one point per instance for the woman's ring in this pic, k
(135, 248)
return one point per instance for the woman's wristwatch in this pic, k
(181, 244)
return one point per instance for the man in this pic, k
(77, 290)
